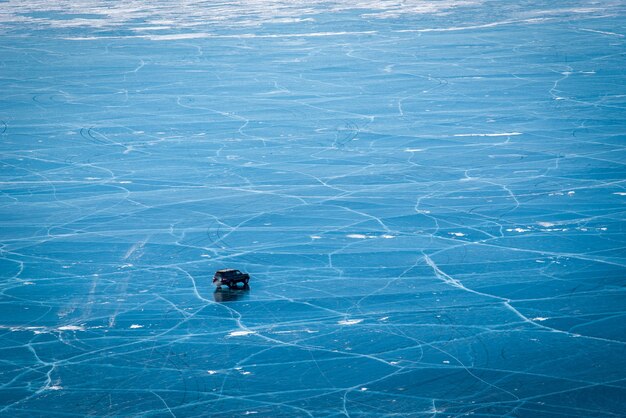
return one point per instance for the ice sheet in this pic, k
(429, 197)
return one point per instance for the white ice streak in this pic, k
(602, 32)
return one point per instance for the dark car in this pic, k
(230, 278)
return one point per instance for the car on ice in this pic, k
(230, 278)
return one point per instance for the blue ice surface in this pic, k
(429, 197)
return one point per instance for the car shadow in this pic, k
(230, 295)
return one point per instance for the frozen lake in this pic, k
(429, 196)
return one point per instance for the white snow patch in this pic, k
(36, 330)
(350, 321)
(242, 333)
(517, 230)
(546, 224)
(71, 328)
